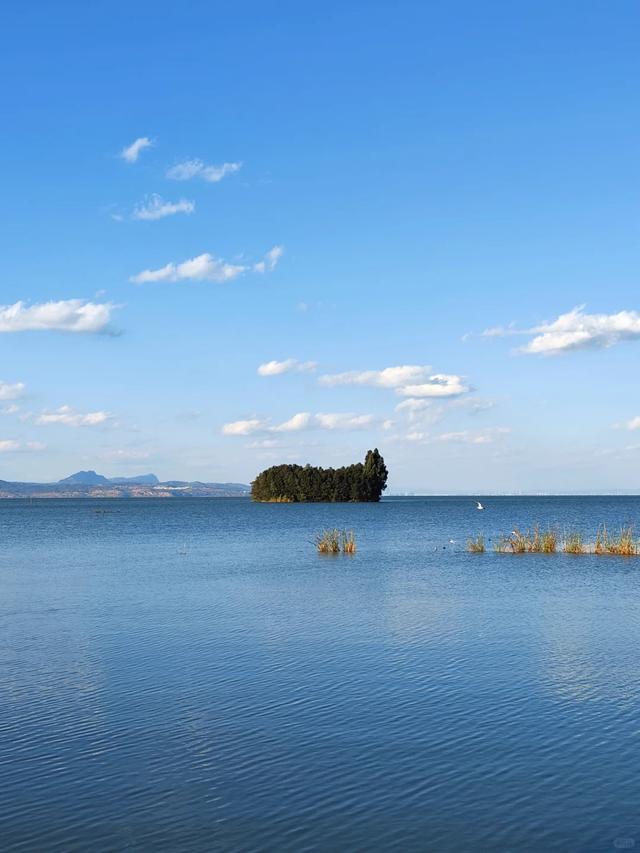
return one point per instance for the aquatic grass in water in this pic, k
(573, 544)
(333, 540)
(476, 545)
(328, 542)
(516, 543)
(548, 542)
(528, 542)
(622, 545)
(348, 541)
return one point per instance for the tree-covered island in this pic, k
(304, 483)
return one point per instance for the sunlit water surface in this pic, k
(191, 675)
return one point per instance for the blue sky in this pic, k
(400, 178)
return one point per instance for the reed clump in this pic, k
(348, 542)
(528, 542)
(549, 542)
(328, 542)
(333, 541)
(623, 544)
(573, 544)
(476, 545)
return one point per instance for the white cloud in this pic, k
(132, 152)
(125, 455)
(344, 421)
(10, 445)
(275, 368)
(204, 267)
(68, 417)
(262, 444)
(197, 169)
(390, 377)
(633, 424)
(438, 385)
(479, 437)
(270, 261)
(155, 207)
(245, 427)
(201, 268)
(301, 421)
(502, 331)
(486, 436)
(413, 405)
(473, 406)
(69, 315)
(576, 330)
(298, 422)
(10, 391)
(421, 412)
(410, 380)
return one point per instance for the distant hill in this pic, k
(85, 478)
(89, 484)
(90, 478)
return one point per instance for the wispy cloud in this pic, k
(68, 417)
(155, 207)
(263, 444)
(131, 153)
(346, 421)
(11, 409)
(631, 425)
(205, 267)
(69, 315)
(11, 391)
(270, 260)
(490, 435)
(486, 436)
(473, 406)
(11, 445)
(302, 421)
(197, 169)
(125, 455)
(422, 412)
(576, 330)
(289, 365)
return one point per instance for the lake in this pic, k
(191, 675)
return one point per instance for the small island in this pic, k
(303, 483)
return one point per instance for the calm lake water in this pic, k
(190, 675)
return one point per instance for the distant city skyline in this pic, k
(234, 237)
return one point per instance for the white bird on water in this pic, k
(479, 505)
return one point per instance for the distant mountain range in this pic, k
(89, 484)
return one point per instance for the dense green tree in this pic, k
(359, 482)
(375, 474)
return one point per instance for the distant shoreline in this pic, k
(55, 491)
(44, 492)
